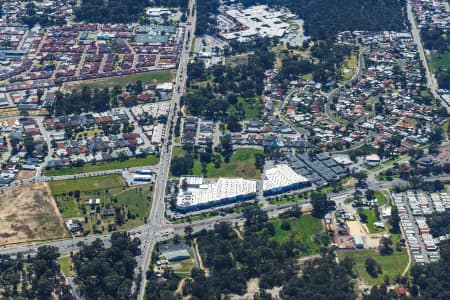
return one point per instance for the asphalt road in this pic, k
(431, 81)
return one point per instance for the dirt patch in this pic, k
(351, 182)
(371, 241)
(23, 174)
(29, 213)
(252, 289)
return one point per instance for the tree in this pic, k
(188, 230)
(320, 204)
(285, 225)
(385, 246)
(394, 220)
(29, 144)
(369, 194)
(259, 161)
(255, 216)
(371, 267)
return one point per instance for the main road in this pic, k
(156, 219)
(431, 81)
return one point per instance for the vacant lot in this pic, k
(104, 166)
(305, 230)
(440, 61)
(86, 184)
(134, 204)
(122, 81)
(391, 265)
(242, 164)
(29, 213)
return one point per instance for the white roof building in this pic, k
(281, 176)
(196, 192)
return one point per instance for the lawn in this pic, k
(66, 266)
(183, 268)
(249, 106)
(440, 61)
(146, 78)
(302, 231)
(381, 197)
(104, 166)
(351, 64)
(86, 184)
(392, 265)
(242, 164)
(371, 218)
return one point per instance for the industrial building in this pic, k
(256, 21)
(282, 178)
(196, 193)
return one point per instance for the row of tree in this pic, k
(110, 11)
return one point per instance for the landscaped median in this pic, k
(104, 166)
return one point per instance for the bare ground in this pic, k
(23, 174)
(29, 213)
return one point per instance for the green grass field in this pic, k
(249, 106)
(392, 265)
(146, 78)
(65, 264)
(104, 166)
(381, 197)
(440, 61)
(242, 164)
(350, 63)
(302, 231)
(86, 184)
(371, 218)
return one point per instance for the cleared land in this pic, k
(242, 164)
(350, 66)
(440, 61)
(29, 213)
(146, 78)
(133, 203)
(392, 265)
(86, 184)
(104, 166)
(305, 230)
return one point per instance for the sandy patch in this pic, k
(252, 289)
(371, 241)
(29, 213)
(23, 174)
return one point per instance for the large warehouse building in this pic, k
(195, 193)
(281, 179)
